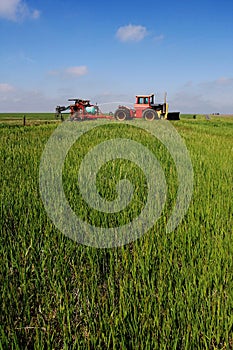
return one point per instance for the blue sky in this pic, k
(110, 51)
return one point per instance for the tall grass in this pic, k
(163, 291)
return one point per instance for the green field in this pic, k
(162, 291)
(30, 118)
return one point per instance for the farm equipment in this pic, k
(144, 107)
(78, 109)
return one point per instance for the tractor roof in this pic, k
(145, 95)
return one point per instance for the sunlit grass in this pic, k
(163, 291)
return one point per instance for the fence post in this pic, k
(24, 120)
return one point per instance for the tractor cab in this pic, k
(145, 107)
(143, 102)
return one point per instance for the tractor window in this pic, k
(143, 100)
(140, 100)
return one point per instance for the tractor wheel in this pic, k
(121, 114)
(77, 116)
(150, 114)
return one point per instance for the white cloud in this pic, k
(15, 10)
(204, 97)
(158, 38)
(53, 72)
(25, 58)
(77, 71)
(4, 87)
(19, 100)
(220, 82)
(35, 14)
(131, 33)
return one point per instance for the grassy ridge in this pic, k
(163, 291)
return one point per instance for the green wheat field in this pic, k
(163, 291)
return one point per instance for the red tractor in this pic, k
(145, 107)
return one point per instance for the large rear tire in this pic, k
(150, 114)
(121, 114)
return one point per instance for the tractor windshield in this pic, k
(143, 100)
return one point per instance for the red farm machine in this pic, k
(144, 107)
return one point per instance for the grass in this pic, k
(162, 291)
(31, 118)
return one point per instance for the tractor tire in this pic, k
(121, 114)
(150, 114)
(77, 116)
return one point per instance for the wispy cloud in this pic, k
(53, 72)
(75, 71)
(4, 87)
(205, 97)
(25, 58)
(35, 14)
(17, 100)
(158, 38)
(220, 82)
(17, 10)
(131, 32)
